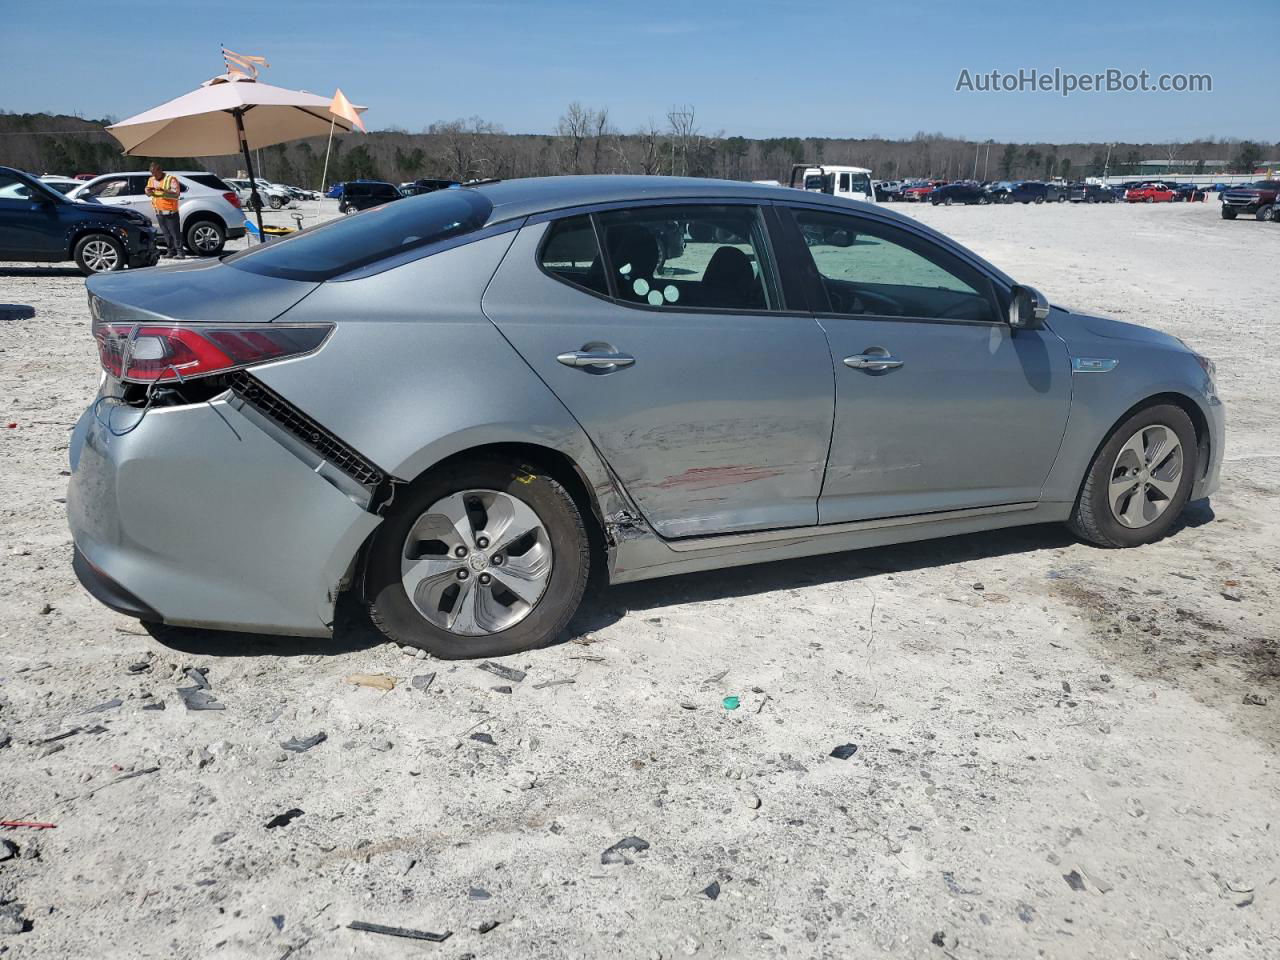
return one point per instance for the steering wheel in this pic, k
(863, 301)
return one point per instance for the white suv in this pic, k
(209, 209)
(272, 194)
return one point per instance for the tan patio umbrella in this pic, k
(231, 113)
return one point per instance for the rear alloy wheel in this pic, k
(99, 253)
(205, 238)
(480, 560)
(1139, 481)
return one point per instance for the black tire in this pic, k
(1040, 199)
(1092, 518)
(204, 237)
(99, 253)
(1265, 213)
(1228, 213)
(396, 616)
(274, 203)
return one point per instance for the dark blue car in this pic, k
(963, 192)
(39, 223)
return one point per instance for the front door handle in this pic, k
(596, 359)
(873, 358)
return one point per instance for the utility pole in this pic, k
(986, 160)
(976, 148)
(1106, 164)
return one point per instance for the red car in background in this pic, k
(920, 191)
(1151, 193)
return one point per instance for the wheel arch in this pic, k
(195, 216)
(81, 231)
(604, 506)
(1184, 402)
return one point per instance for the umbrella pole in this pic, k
(325, 175)
(254, 200)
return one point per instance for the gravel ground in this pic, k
(1057, 753)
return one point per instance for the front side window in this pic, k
(323, 252)
(870, 269)
(11, 188)
(694, 256)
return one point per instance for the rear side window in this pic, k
(570, 253)
(338, 246)
(209, 180)
(689, 257)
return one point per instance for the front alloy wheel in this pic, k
(479, 560)
(1139, 480)
(1145, 476)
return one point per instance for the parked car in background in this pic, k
(1033, 191)
(1090, 193)
(326, 445)
(1219, 188)
(273, 196)
(1259, 198)
(39, 223)
(1001, 191)
(1187, 192)
(917, 191)
(423, 185)
(966, 191)
(63, 185)
(209, 210)
(1155, 191)
(360, 195)
(888, 190)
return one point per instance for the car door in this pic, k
(30, 224)
(940, 405)
(711, 401)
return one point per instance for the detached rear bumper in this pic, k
(197, 517)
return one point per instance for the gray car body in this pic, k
(721, 446)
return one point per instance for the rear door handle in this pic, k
(596, 360)
(876, 358)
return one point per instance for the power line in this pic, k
(52, 133)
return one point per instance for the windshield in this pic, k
(323, 252)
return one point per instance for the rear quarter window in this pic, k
(323, 252)
(209, 180)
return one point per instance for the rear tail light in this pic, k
(161, 353)
(233, 199)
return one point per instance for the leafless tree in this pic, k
(574, 127)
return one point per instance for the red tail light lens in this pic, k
(150, 353)
(233, 199)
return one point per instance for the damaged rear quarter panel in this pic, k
(414, 372)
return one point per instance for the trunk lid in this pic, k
(205, 291)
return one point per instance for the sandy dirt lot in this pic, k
(1061, 751)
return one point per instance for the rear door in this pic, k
(709, 399)
(939, 404)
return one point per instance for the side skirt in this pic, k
(649, 556)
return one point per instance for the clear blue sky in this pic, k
(776, 68)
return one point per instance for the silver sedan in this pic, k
(460, 404)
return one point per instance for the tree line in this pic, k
(586, 140)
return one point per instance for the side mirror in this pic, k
(1027, 308)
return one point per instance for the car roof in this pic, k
(515, 199)
(534, 195)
